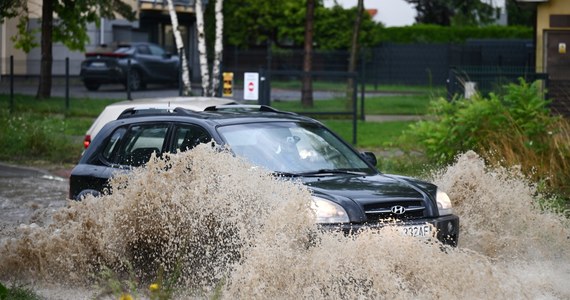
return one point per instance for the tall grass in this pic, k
(547, 163)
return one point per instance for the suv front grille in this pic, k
(399, 210)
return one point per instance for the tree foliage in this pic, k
(520, 14)
(69, 27)
(254, 23)
(70, 23)
(453, 12)
(10, 9)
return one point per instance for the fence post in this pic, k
(375, 67)
(354, 109)
(129, 79)
(11, 84)
(67, 83)
(267, 74)
(362, 84)
(180, 83)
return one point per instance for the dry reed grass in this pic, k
(545, 160)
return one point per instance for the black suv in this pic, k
(348, 191)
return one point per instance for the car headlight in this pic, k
(327, 211)
(443, 203)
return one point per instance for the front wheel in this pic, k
(135, 80)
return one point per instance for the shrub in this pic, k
(428, 33)
(511, 129)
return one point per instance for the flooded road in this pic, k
(26, 192)
(220, 229)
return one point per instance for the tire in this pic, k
(92, 86)
(86, 193)
(136, 80)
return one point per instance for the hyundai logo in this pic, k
(398, 209)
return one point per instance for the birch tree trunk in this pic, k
(204, 72)
(187, 89)
(218, 47)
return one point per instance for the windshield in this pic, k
(292, 148)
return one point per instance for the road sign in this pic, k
(250, 86)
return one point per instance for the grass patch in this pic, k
(370, 134)
(40, 132)
(397, 105)
(78, 107)
(340, 86)
(374, 105)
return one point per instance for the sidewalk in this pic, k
(392, 118)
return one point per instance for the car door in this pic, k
(126, 147)
(188, 136)
(146, 61)
(164, 64)
(140, 142)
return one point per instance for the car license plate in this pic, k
(416, 230)
(98, 64)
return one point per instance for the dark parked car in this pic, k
(349, 192)
(149, 63)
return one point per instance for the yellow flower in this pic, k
(126, 297)
(154, 287)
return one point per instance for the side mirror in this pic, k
(370, 157)
(167, 55)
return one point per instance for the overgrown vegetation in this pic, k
(17, 293)
(39, 137)
(514, 128)
(45, 132)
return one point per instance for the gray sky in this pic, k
(390, 12)
(394, 12)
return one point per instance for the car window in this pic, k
(143, 49)
(291, 147)
(189, 136)
(111, 147)
(124, 49)
(139, 142)
(155, 50)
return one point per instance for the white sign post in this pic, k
(251, 86)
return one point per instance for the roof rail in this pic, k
(151, 111)
(246, 107)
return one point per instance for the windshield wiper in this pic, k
(321, 172)
(287, 174)
(325, 172)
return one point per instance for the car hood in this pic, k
(366, 189)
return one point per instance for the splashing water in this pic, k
(219, 226)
